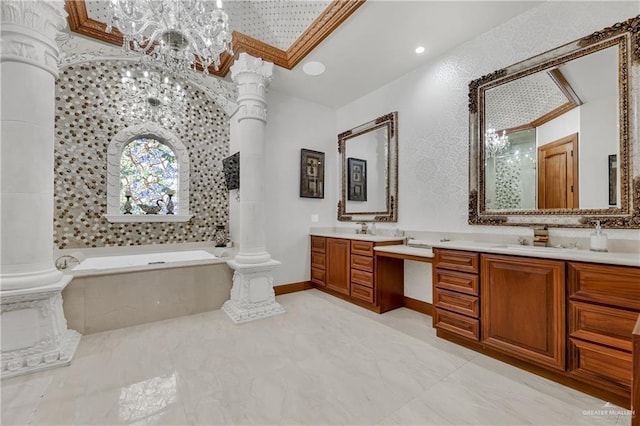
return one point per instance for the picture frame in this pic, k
(613, 180)
(356, 179)
(311, 174)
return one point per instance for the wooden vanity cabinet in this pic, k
(604, 302)
(523, 308)
(455, 293)
(318, 261)
(348, 267)
(572, 320)
(338, 265)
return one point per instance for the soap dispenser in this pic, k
(598, 239)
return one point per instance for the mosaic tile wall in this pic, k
(86, 122)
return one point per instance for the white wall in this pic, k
(432, 102)
(433, 107)
(293, 124)
(560, 127)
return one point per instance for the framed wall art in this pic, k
(357, 179)
(311, 174)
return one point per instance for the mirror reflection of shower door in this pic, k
(558, 174)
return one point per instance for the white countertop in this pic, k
(406, 250)
(354, 236)
(627, 259)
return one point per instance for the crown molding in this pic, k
(330, 19)
(334, 15)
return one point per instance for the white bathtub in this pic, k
(103, 263)
(110, 292)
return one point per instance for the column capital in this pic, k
(29, 30)
(252, 75)
(247, 65)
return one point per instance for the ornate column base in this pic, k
(252, 295)
(34, 330)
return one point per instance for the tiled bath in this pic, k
(106, 302)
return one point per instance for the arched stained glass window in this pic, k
(145, 164)
(149, 176)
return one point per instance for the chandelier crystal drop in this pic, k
(181, 35)
(494, 143)
(151, 95)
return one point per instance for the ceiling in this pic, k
(363, 45)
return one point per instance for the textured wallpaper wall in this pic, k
(432, 103)
(86, 122)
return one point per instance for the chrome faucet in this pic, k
(363, 228)
(62, 262)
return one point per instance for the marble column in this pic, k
(252, 295)
(34, 330)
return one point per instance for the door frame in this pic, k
(573, 173)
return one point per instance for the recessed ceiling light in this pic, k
(419, 49)
(313, 68)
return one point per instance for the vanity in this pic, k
(553, 143)
(344, 266)
(568, 315)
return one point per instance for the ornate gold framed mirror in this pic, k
(554, 139)
(369, 171)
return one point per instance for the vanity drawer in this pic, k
(319, 244)
(607, 284)
(362, 277)
(456, 281)
(601, 365)
(318, 260)
(361, 292)
(457, 324)
(364, 248)
(364, 263)
(318, 276)
(602, 324)
(457, 260)
(456, 302)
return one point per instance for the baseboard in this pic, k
(417, 305)
(292, 288)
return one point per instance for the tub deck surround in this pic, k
(104, 265)
(115, 287)
(97, 301)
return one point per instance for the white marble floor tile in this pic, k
(324, 362)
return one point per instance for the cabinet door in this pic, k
(338, 264)
(523, 308)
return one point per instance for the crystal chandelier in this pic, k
(494, 143)
(188, 34)
(150, 95)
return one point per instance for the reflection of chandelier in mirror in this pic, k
(179, 34)
(495, 144)
(150, 95)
